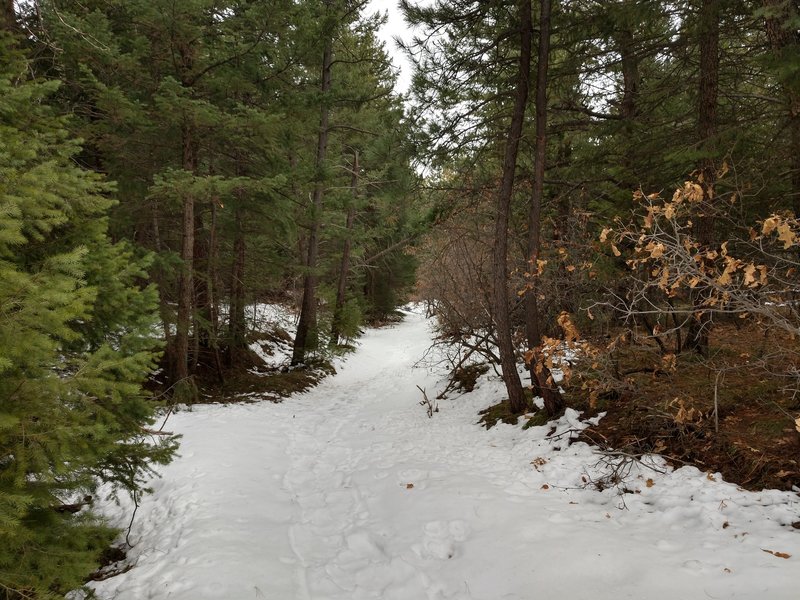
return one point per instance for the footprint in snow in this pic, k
(441, 538)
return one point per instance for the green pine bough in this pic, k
(76, 343)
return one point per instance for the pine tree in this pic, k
(76, 341)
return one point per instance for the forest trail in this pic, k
(351, 492)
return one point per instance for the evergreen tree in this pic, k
(76, 341)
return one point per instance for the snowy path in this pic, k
(351, 492)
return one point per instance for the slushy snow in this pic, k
(350, 491)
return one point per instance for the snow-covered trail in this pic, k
(350, 492)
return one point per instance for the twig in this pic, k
(430, 407)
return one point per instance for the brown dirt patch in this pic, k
(656, 408)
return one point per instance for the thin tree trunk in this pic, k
(213, 307)
(158, 276)
(708, 32)
(344, 267)
(631, 80)
(307, 338)
(502, 317)
(185, 277)
(541, 378)
(237, 324)
(200, 314)
(8, 16)
(785, 41)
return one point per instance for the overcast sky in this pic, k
(396, 26)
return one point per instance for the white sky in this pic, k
(396, 26)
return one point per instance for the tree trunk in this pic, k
(502, 317)
(213, 306)
(201, 312)
(8, 17)
(344, 267)
(541, 378)
(708, 33)
(631, 80)
(236, 318)
(784, 42)
(306, 338)
(163, 304)
(185, 277)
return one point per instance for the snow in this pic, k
(350, 491)
(265, 318)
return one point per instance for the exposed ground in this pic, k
(669, 408)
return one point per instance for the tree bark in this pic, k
(631, 80)
(185, 277)
(502, 317)
(8, 16)
(163, 304)
(236, 318)
(784, 42)
(306, 338)
(344, 266)
(708, 33)
(541, 378)
(213, 303)
(201, 313)
(707, 114)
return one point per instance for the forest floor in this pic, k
(350, 491)
(751, 438)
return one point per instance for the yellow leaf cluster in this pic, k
(690, 192)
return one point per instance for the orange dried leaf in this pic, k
(778, 554)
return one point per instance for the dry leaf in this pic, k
(750, 275)
(571, 332)
(409, 486)
(649, 483)
(786, 235)
(545, 487)
(538, 462)
(778, 554)
(656, 250)
(604, 234)
(769, 225)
